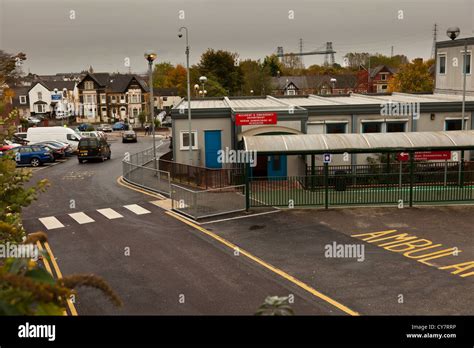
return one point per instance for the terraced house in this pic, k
(112, 97)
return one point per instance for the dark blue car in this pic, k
(120, 126)
(83, 127)
(34, 155)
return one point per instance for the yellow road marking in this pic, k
(267, 266)
(71, 306)
(123, 183)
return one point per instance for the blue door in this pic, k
(276, 166)
(212, 144)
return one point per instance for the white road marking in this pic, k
(137, 209)
(109, 213)
(51, 222)
(81, 218)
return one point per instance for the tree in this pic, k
(142, 118)
(10, 66)
(256, 77)
(176, 78)
(159, 73)
(273, 65)
(223, 66)
(275, 306)
(413, 77)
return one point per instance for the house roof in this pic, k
(60, 85)
(379, 68)
(315, 81)
(20, 91)
(115, 83)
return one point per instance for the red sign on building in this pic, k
(255, 118)
(425, 156)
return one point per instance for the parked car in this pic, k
(33, 120)
(64, 134)
(93, 148)
(129, 136)
(65, 146)
(96, 134)
(83, 127)
(20, 138)
(105, 128)
(120, 126)
(56, 150)
(34, 155)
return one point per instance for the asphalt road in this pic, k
(154, 262)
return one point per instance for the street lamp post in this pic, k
(189, 94)
(453, 33)
(203, 80)
(150, 56)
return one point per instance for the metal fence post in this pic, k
(412, 162)
(247, 186)
(326, 185)
(313, 171)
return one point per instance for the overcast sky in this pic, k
(104, 33)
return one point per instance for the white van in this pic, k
(64, 134)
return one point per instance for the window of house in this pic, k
(468, 62)
(334, 128)
(113, 99)
(396, 127)
(383, 77)
(89, 99)
(384, 86)
(22, 99)
(88, 85)
(451, 125)
(165, 99)
(40, 108)
(135, 112)
(372, 127)
(291, 92)
(442, 64)
(102, 98)
(40, 96)
(185, 140)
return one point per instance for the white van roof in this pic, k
(50, 130)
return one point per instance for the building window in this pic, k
(452, 125)
(89, 99)
(113, 99)
(40, 96)
(40, 108)
(290, 92)
(372, 127)
(468, 63)
(335, 128)
(393, 127)
(102, 98)
(185, 140)
(22, 99)
(88, 85)
(135, 112)
(442, 64)
(384, 86)
(383, 77)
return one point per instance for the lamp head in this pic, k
(453, 32)
(203, 79)
(150, 56)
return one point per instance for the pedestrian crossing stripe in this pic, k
(110, 213)
(81, 218)
(135, 208)
(51, 222)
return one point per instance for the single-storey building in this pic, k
(221, 123)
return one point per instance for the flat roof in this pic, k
(283, 102)
(359, 143)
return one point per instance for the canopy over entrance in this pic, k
(360, 143)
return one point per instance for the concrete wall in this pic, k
(200, 125)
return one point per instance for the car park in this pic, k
(120, 126)
(129, 136)
(91, 148)
(33, 155)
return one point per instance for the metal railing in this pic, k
(421, 185)
(136, 169)
(206, 203)
(202, 177)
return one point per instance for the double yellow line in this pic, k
(59, 275)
